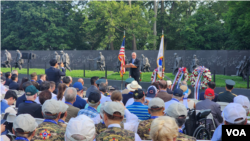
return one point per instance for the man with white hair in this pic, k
(70, 97)
(234, 114)
(29, 106)
(169, 85)
(244, 101)
(135, 72)
(80, 128)
(49, 130)
(24, 127)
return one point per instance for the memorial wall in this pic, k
(213, 59)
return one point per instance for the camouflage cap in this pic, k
(26, 122)
(52, 106)
(112, 107)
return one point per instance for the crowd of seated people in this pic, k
(72, 112)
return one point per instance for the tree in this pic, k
(237, 23)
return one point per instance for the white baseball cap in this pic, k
(169, 82)
(243, 100)
(112, 107)
(81, 125)
(176, 109)
(52, 106)
(156, 102)
(25, 122)
(234, 111)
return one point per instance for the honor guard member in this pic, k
(61, 121)
(227, 96)
(156, 108)
(49, 130)
(113, 116)
(24, 127)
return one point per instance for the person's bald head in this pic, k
(133, 55)
(81, 81)
(163, 85)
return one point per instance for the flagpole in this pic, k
(123, 64)
(163, 60)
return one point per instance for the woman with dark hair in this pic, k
(25, 79)
(61, 90)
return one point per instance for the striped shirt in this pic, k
(140, 110)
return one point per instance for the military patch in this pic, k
(113, 139)
(136, 94)
(45, 134)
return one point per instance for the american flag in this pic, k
(121, 57)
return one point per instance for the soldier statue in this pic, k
(65, 60)
(19, 60)
(242, 68)
(57, 57)
(145, 64)
(177, 63)
(118, 65)
(7, 60)
(195, 63)
(100, 62)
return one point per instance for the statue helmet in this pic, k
(55, 52)
(175, 54)
(61, 51)
(100, 53)
(194, 55)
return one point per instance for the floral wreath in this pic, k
(196, 77)
(181, 72)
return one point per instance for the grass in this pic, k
(146, 77)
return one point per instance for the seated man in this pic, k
(131, 87)
(80, 128)
(209, 104)
(63, 110)
(44, 95)
(24, 127)
(155, 109)
(9, 99)
(3, 89)
(23, 97)
(44, 86)
(127, 81)
(66, 81)
(70, 97)
(244, 101)
(42, 79)
(29, 106)
(80, 102)
(169, 84)
(49, 130)
(234, 114)
(212, 86)
(227, 96)
(179, 112)
(137, 108)
(93, 102)
(177, 97)
(14, 85)
(113, 116)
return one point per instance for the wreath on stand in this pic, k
(179, 75)
(196, 77)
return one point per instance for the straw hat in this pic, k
(184, 89)
(133, 86)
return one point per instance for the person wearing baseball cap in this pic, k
(151, 92)
(227, 96)
(209, 104)
(80, 128)
(127, 81)
(112, 117)
(80, 102)
(155, 109)
(177, 97)
(137, 108)
(93, 103)
(179, 112)
(169, 86)
(244, 101)
(49, 130)
(63, 110)
(24, 127)
(234, 114)
(131, 87)
(29, 106)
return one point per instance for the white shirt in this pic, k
(137, 138)
(55, 97)
(3, 89)
(169, 103)
(103, 98)
(37, 98)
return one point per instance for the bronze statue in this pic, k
(19, 60)
(100, 62)
(7, 60)
(177, 63)
(242, 68)
(145, 64)
(195, 63)
(65, 60)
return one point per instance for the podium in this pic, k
(129, 66)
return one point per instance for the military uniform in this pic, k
(144, 128)
(226, 96)
(183, 137)
(62, 124)
(48, 131)
(116, 134)
(102, 127)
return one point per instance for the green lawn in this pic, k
(219, 80)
